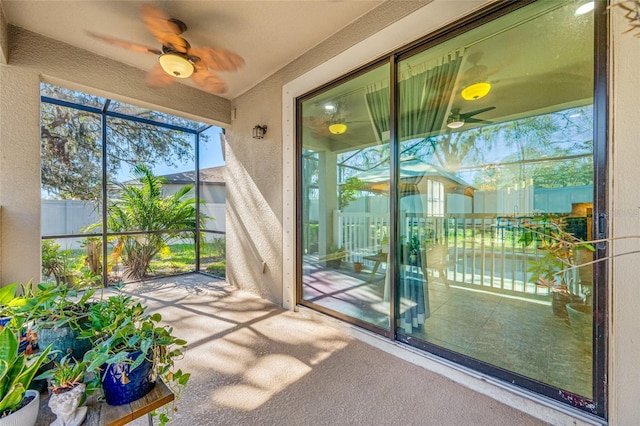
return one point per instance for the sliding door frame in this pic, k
(598, 405)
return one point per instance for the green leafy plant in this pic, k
(334, 252)
(52, 261)
(348, 191)
(218, 268)
(558, 247)
(120, 326)
(54, 305)
(9, 300)
(142, 206)
(65, 375)
(93, 258)
(17, 371)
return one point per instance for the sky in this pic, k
(211, 155)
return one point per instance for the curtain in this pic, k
(423, 96)
(413, 290)
(378, 104)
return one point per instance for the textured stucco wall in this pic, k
(624, 319)
(34, 58)
(254, 168)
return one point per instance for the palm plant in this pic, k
(142, 206)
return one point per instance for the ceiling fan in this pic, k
(177, 59)
(457, 119)
(334, 121)
(475, 80)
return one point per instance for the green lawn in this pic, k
(173, 259)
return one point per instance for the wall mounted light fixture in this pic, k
(259, 131)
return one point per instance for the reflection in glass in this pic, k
(477, 174)
(345, 220)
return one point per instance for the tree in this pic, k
(141, 206)
(71, 145)
(348, 191)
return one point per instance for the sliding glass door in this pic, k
(345, 200)
(495, 138)
(447, 199)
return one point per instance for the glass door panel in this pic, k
(495, 140)
(345, 199)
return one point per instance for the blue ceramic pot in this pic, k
(65, 340)
(122, 386)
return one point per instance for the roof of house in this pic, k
(210, 175)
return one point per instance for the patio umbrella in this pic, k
(412, 170)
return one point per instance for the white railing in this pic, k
(361, 234)
(481, 249)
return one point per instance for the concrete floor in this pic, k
(497, 328)
(253, 363)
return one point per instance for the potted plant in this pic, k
(11, 315)
(8, 303)
(130, 350)
(66, 382)
(58, 312)
(18, 405)
(348, 191)
(554, 267)
(334, 257)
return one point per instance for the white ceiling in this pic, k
(268, 34)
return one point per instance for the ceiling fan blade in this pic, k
(166, 30)
(477, 120)
(157, 77)
(217, 59)
(476, 112)
(174, 43)
(135, 47)
(159, 23)
(209, 81)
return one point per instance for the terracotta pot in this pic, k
(357, 267)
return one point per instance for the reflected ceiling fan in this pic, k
(335, 120)
(177, 59)
(457, 119)
(475, 80)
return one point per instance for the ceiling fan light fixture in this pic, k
(455, 124)
(475, 91)
(176, 65)
(338, 128)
